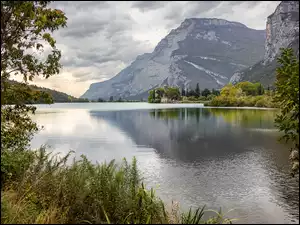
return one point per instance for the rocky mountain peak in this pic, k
(214, 22)
(201, 50)
(282, 29)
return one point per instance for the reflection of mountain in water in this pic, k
(186, 134)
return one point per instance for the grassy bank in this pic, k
(37, 187)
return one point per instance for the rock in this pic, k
(282, 31)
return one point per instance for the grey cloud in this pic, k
(198, 8)
(83, 29)
(148, 5)
(79, 74)
(100, 34)
(176, 13)
(84, 78)
(65, 5)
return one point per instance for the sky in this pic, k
(102, 38)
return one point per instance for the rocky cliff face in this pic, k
(204, 51)
(282, 31)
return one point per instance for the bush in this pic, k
(248, 101)
(84, 191)
(261, 103)
(192, 98)
(51, 191)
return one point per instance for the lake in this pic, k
(195, 155)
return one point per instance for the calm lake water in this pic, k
(227, 158)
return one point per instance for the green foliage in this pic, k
(25, 28)
(14, 164)
(287, 97)
(17, 127)
(154, 96)
(50, 190)
(249, 88)
(205, 92)
(215, 92)
(209, 97)
(191, 93)
(33, 94)
(171, 93)
(243, 94)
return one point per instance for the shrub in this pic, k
(52, 191)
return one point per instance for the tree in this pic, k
(206, 92)
(182, 92)
(172, 93)
(100, 100)
(197, 90)
(26, 28)
(151, 97)
(287, 97)
(160, 92)
(248, 88)
(191, 93)
(215, 92)
(260, 89)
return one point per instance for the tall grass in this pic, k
(45, 189)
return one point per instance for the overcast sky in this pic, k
(102, 38)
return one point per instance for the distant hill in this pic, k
(57, 96)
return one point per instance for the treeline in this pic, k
(244, 94)
(171, 94)
(111, 99)
(41, 95)
(241, 94)
(198, 93)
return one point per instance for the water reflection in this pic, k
(193, 134)
(219, 157)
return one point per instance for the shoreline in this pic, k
(176, 105)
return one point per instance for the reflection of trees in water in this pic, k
(247, 118)
(244, 118)
(184, 134)
(182, 114)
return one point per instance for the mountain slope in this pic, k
(282, 32)
(204, 51)
(57, 96)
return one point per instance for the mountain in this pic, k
(58, 96)
(282, 32)
(205, 51)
